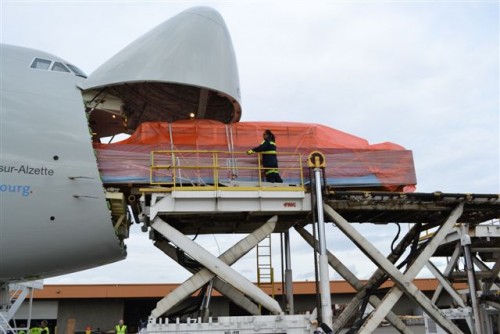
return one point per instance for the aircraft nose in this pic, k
(186, 65)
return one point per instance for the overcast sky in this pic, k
(422, 74)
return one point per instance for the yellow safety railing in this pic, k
(212, 170)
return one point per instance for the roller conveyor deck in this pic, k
(434, 208)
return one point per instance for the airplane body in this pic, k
(53, 214)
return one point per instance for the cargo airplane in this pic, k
(179, 80)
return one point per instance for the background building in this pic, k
(73, 308)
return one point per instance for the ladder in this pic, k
(265, 271)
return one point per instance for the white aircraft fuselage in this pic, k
(54, 216)
(53, 213)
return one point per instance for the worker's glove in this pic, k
(250, 152)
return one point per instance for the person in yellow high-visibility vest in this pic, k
(22, 330)
(35, 329)
(121, 328)
(44, 327)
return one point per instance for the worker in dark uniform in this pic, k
(269, 159)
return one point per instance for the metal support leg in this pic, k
(466, 242)
(215, 266)
(353, 281)
(205, 307)
(447, 271)
(403, 282)
(445, 284)
(324, 278)
(288, 274)
(494, 274)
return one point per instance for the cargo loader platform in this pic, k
(202, 197)
(238, 209)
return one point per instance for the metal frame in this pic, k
(215, 266)
(441, 213)
(12, 297)
(403, 281)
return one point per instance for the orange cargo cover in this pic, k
(351, 161)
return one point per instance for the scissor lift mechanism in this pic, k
(449, 219)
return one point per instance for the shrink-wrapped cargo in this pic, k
(351, 162)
